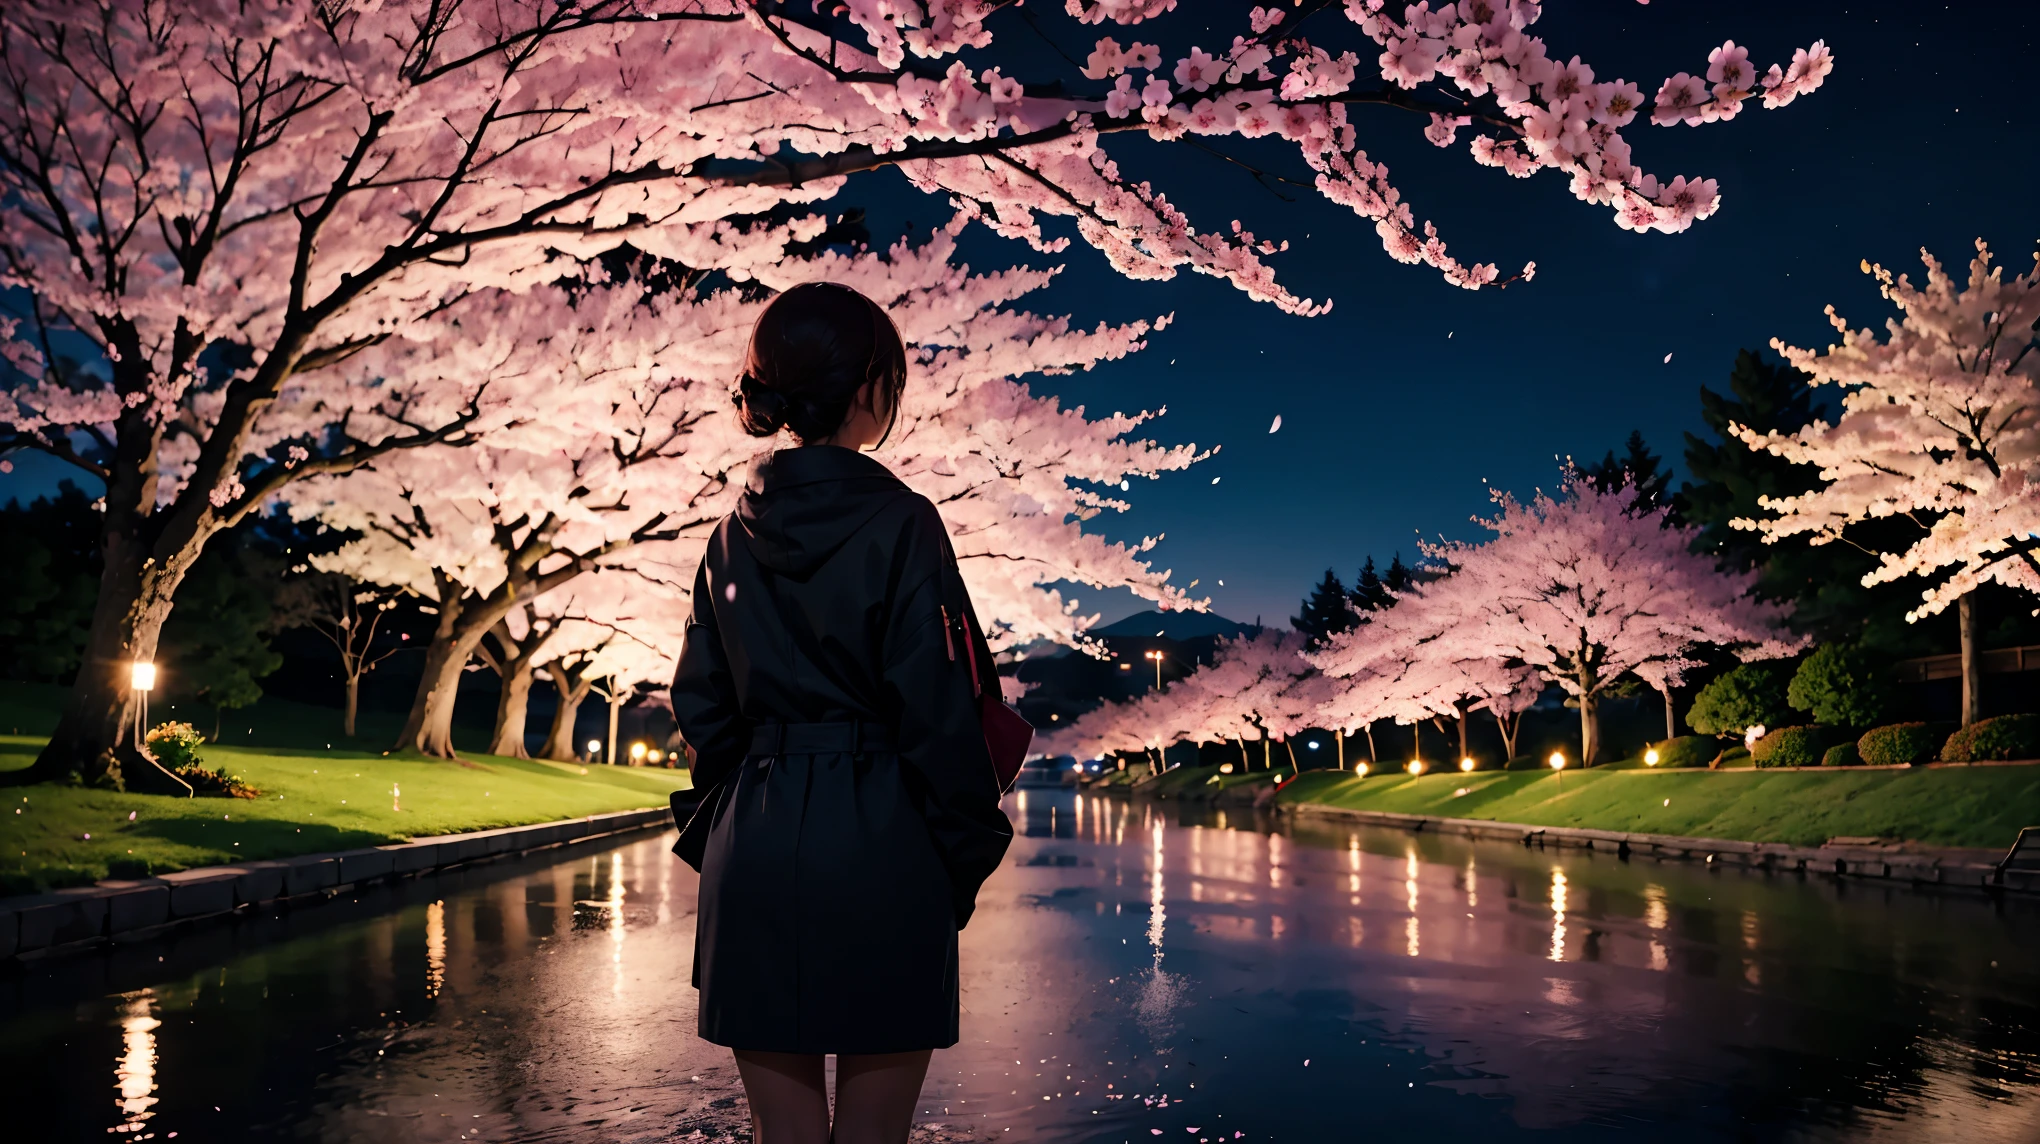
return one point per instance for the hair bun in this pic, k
(762, 411)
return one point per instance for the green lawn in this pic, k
(1979, 807)
(312, 800)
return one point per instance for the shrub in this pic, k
(217, 783)
(176, 745)
(1842, 686)
(1686, 751)
(1842, 755)
(128, 868)
(1901, 744)
(1793, 746)
(1749, 696)
(2005, 737)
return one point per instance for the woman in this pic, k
(828, 694)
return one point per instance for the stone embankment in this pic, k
(40, 925)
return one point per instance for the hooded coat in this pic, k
(834, 881)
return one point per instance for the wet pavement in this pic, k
(1130, 975)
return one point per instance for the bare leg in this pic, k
(789, 1098)
(875, 1095)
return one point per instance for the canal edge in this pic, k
(84, 918)
(1932, 871)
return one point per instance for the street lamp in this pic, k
(1558, 764)
(637, 754)
(1157, 657)
(141, 677)
(1466, 764)
(1416, 766)
(1650, 757)
(594, 749)
(655, 756)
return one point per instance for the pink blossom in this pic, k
(1122, 99)
(1197, 71)
(1618, 103)
(1682, 98)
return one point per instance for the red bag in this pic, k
(1007, 733)
(1007, 736)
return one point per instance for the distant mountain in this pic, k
(1174, 626)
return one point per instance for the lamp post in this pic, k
(1157, 657)
(594, 750)
(142, 677)
(637, 754)
(1558, 764)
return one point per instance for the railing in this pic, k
(1994, 661)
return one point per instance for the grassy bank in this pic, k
(1977, 807)
(312, 800)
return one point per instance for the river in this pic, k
(1130, 975)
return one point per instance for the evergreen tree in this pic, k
(1640, 470)
(1325, 611)
(1728, 476)
(1369, 595)
(48, 584)
(217, 635)
(1399, 576)
(1823, 583)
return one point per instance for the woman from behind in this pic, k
(829, 695)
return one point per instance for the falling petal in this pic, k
(1278, 423)
(1214, 480)
(1668, 359)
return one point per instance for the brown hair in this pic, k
(813, 348)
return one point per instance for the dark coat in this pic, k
(833, 884)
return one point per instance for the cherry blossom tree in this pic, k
(1940, 422)
(629, 453)
(1584, 588)
(1256, 685)
(213, 207)
(1404, 665)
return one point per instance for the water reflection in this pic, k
(134, 1076)
(1439, 989)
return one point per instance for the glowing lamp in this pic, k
(1225, 768)
(1558, 760)
(594, 745)
(1466, 764)
(1361, 770)
(655, 756)
(637, 751)
(142, 676)
(1416, 766)
(1750, 737)
(1650, 757)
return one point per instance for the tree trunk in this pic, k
(1342, 748)
(351, 704)
(615, 698)
(1590, 730)
(428, 729)
(559, 738)
(1372, 757)
(1462, 706)
(1972, 660)
(97, 732)
(1290, 750)
(1508, 734)
(507, 739)
(1671, 725)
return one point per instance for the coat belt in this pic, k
(849, 738)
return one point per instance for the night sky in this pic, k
(1399, 402)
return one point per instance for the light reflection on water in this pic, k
(1439, 989)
